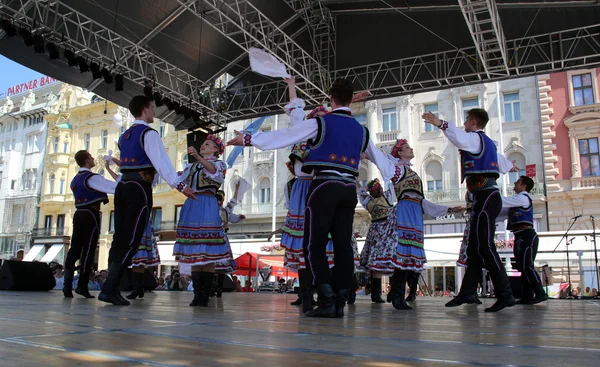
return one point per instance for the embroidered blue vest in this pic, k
(85, 195)
(339, 142)
(483, 164)
(131, 145)
(520, 215)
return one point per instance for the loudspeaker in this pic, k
(195, 139)
(26, 276)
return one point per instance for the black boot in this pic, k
(501, 303)
(207, 280)
(298, 300)
(399, 290)
(137, 280)
(461, 299)
(390, 294)
(110, 290)
(376, 290)
(340, 301)
(413, 281)
(327, 303)
(306, 289)
(68, 283)
(540, 295)
(220, 281)
(82, 286)
(197, 284)
(351, 298)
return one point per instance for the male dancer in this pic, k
(336, 143)
(519, 210)
(89, 190)
(142, 154)
(480, 168)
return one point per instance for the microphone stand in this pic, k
(574, 219)
(595, 252)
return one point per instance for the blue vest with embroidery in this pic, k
(483, 164)
(131, 145)
(85, 195)
(339, 142)
(520, 215)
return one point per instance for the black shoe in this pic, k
(351, 298)
(327, 303)
(112, 298)
(68, 283)
(376, 298)
(501, 304)
(399, 303)
(376, 290)
(197, 285)
(539, 298)
(83, 292)
(477, 300)
(110, 289)
(341, 299)
(207, 280)
(389, 297)
(461, 299)
(525, 301)
(298, 301)
(307, 300)
(68, 292)
(219, 293)
(411, 297)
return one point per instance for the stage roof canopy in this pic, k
(195, 52)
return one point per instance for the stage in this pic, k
(259, 329)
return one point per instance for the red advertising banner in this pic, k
(530, 170)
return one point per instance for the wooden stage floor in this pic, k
(44, 329)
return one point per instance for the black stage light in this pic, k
(70, 56)
(181, 110)
(148, 91)
(52, 51)
(9, 28)
(167, 102)
(107, 76)
(119, 81)
(195, 116)
(25, 34)
(158, 101)
(38, 44)
(83, 65)
(176, 106)
(95, 68)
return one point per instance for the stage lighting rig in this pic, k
(52, 51)
(119, 81)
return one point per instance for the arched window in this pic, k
(264, 195)
(433, 176)
(61, 189)
(519, 161)
(51, 181)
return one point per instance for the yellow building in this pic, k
(90, 128)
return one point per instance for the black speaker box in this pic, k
(26, 276)
(195, 139)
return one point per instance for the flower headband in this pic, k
(396, 149)
(314, 113)
(373, 186)
(218, 142)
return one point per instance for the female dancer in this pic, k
(200, 239)
(147, 253)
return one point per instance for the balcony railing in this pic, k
(586, 182)
(266, 208)
(446, 196)
(263, 157)
(387, 137)
(22, 193)
(49, 232)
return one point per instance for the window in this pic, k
(60, 224)
(362, 119)
(61, 186)
(264, 191)
(163, 129)
(519, 160)
(184, 161)
(390, 122)
(156, 216)
(589, 157)
(1, 174)
(65, 147)
(51, 183)
(48, 224)
(468, 104)
(177, 212)
(111, 222)
(583, 91)
(1, 149)
(32, 144)
(104, 139)
(28, 180)
(433, 173)
(86, 142)
(433, 108)
(55, 145)
(13, 184)
(512, 107)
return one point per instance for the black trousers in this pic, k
(330, 209)
(133, 203)
(481, 249)
(525, 250)
(86, 230)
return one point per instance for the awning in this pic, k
(165, 251)
(33, 253)
(52, 253)
(246, 265)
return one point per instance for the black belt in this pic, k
(521, 227)
(146, 175)
(93, 206)
(478, 183)
(334, 177)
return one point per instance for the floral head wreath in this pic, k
(218, 142)
(315, 112)
(373, 186)
(397, 147)
(220, 194)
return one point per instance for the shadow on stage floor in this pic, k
(241, 329)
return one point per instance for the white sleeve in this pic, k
(101, 184)
(385, 166)
(434, 210)
(284, 138)
(157, 153)
(364, 197)
(219, 174)
(470, 142)
(515, 201)
(503, 215)
(504, 164)
(234, 218)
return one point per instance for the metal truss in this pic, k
(63, 25)
(485, 27)
(246, 26)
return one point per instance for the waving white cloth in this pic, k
(244, 187)
(262, 62)
(109, 157)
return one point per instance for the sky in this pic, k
(13, 74)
